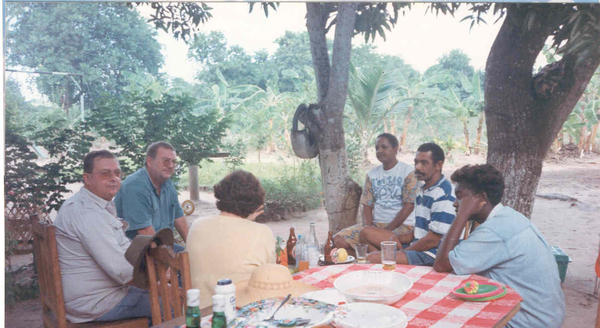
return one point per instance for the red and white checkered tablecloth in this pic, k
(429, 303)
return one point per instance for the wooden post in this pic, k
(194, 187)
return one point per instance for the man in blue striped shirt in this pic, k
(434, 211)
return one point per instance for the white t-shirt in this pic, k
(387, 190)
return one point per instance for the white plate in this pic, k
(369, 315)
(398, 283)
(350, 259)
(253, 314)
(330, 296)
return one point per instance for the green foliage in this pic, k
(237, 154)
(298, 189)
(181, 19)
(27, 183)
(99, 40)
(15, 293)
(149, 113)
(236, 66)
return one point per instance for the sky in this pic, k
(419, 38)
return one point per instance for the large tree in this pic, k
(524, 112)
(99, 40)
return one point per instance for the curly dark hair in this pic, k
(481, 178)
(239, 193)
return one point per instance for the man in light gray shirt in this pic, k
(91, 249)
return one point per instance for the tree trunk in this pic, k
(556, 144)
(194, 186)
(522, 125)
(592, 138)
(364, 150)
(582, 139)
(341, 193)
(393, 124)
(466, 132)
(479, 133)
(405, 128)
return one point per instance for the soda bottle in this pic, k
(291, 242)
(301, 255)
(192, 312)
(329, 246)
(312, 244)
(218, 319)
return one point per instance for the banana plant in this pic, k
(418, 93)
(465, 108)
(583, 123)
(372, 95)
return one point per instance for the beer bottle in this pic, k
(329, 246)
(219, 320)
(192, 312)
(291, 242)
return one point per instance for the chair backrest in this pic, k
(168, 290)
(48, 270)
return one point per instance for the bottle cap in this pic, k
(223, 282)
(219, 303)
(193, 297)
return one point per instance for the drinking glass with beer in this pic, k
(388, 255)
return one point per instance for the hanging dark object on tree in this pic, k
(304, 143)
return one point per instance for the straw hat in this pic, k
(269, 280)
(136, 254)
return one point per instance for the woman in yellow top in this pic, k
(230, 245)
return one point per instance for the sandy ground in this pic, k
(572, 225)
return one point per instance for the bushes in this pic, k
(293, 190)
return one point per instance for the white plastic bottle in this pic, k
(226, 288)
(312, 244)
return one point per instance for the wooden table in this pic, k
(429, 303)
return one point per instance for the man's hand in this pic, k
(470, 205)
(368, 216)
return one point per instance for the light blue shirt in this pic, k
(141, 206)
(510, 249)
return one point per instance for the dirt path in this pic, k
(572, 225)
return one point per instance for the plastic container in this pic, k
(312, 245)
(301, 253)
(562, 259)
(226, 288)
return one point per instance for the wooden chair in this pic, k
(165, 289)
(51, 292)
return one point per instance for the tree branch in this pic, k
(316, 19)
(342, 48)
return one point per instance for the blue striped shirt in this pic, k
(434, 210)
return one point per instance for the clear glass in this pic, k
(361, 253)
(312, 244)
(388, 255)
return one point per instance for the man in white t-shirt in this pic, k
(388, 196)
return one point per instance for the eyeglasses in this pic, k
(167, 161)
(107, 174)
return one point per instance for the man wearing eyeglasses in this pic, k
(91, 245)
(148, 199)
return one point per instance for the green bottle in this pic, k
(192, 312)
(219, 320)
